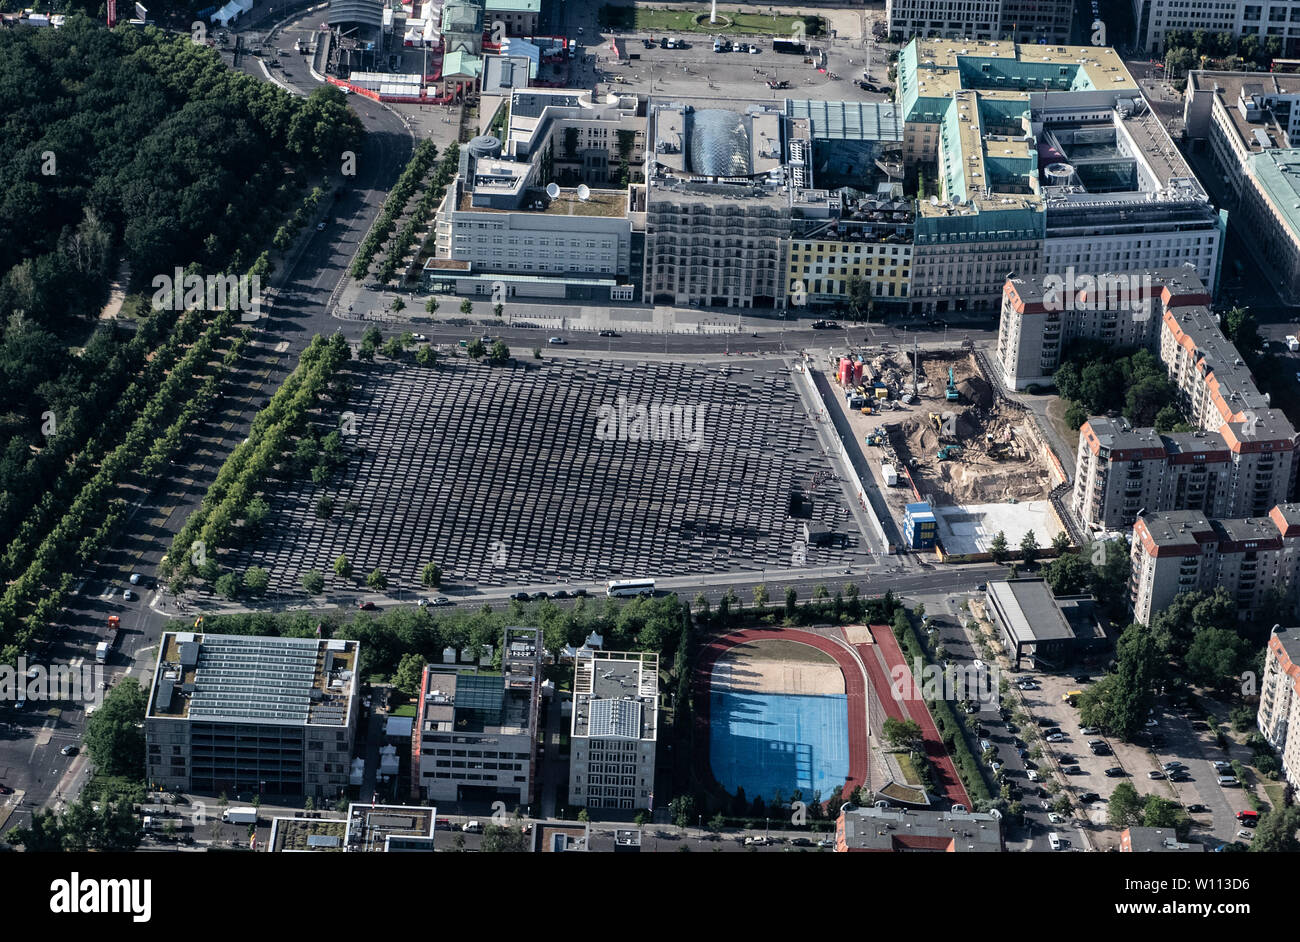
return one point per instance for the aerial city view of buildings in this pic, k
(515, 425)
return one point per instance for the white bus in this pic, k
(616, 588)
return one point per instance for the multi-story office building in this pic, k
(1047, 160)
(1185, 551)
(724, 180)
(236, 713)
(615, 729)
(519, 17)
(1269, 20)
(550, 211)
(905, 830)
(1251, 122)
(476, 732)
(1279, 699)
(1018, 20)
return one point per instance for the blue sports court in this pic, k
(766, 742)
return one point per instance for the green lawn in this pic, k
(622, 16)
(406, 709)
(910, 775)
(1273, 793)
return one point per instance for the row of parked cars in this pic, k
(560, 594)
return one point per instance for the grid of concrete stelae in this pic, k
(498, 475)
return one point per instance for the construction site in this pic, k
(944, 435)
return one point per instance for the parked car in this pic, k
(1032, 775)
(1056, 737)
(985, 745)
(135, 578)
(1155, 775)
(580, 593)
(1115, 772)
(1197, 809)
(561, 594)
(128, 594)
(557, 341)
(1041, 721)
(1246, 835)
(1102, 750)
(1072, 769)
(443, 600)
(423, 603)
(538, 596)
(520, 596)
(68, 751)
(1089, 797)
(320, 226)
(1089, 731)
(609, 333)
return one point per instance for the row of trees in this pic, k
(284, 236)
(1188, 49)
(35, 597)
(424, 209)
(237, 483)
(422, 159)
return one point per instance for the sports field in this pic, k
(778, 721)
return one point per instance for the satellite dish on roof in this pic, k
(584, 192)
(552, 190)
(934, 201)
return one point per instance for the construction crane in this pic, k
(951, 391)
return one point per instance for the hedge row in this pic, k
(285, 234)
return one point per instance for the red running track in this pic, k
(946, 776)
(854, 685)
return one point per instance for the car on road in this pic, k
(135, 578)
(1032, 775)
(520, 596)
(1248, 818)
(755, 839)
(579, 593)
(538, 596)
(561, 594)
(367, 606)
(6, 790)
(128, 594)
(557, 341)
(826, 842)
(1115, 772)
(1221, 765)
(422, 603)
(1151, 723)
(320, 226)
(69, 751)
(442, 600)
(420, 337)
(609, 333)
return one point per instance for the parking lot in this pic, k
(700, 72)
(1174, 741)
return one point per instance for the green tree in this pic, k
(228, 586)
(410, 671)
(1276, 832)
(502, 839)
(466, 307)
(255, 513)
(1241, 327)
(1061, 543)
(324, 507)
(343, 567)
(682, 809)
(499, 353)
(426, 356)
(392, 349)
(313, 583)
(1029, 548)
(1068, 574)
(1216, 656)
(901, 733)
(998, 547)
(115, 732)
(760, 595)
(431, 576)
(377, 580)
(256, 579)
(398, 304)
(431, 305)
(1161, 812)
(475, 348)
(791, 603)
(1126, 806)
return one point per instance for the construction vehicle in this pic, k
(951, 391)
(876, 438)
(948, 452)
